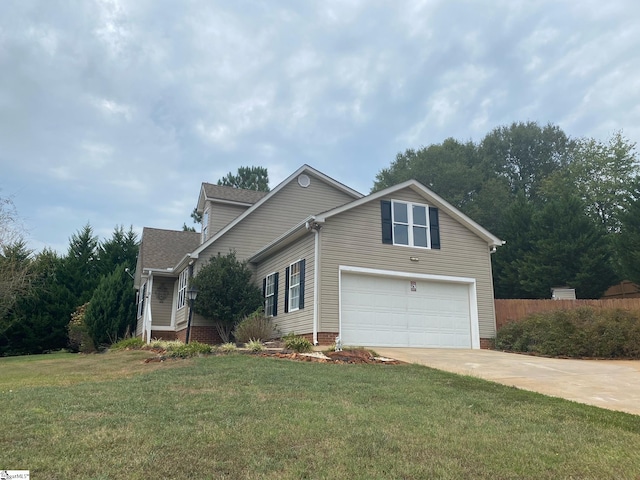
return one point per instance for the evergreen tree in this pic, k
(567, 249)
(121, 248)
(111, 313)
(39, 319)
(627, 241)
(249, 178)
(226, 293)
(81, 272)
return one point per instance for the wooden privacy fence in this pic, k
(514, 310)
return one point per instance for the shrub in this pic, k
(297, 343)
(254, 327)
(79, 338)
(164, 344)
(133, 343)
(583, 332)
(191, 349)
(255, 345)
(228, 347)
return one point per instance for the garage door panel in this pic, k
(387, 311)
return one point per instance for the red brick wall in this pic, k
(200, 334)
(487, 343)
(162, 335)
(324, 338)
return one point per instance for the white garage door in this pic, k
(401, 312)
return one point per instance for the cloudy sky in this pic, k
(113, 112)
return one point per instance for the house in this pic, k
(399, 267)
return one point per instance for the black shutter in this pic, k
(434, 227)
(387, 225)
(286, 290)
(301, 305)
(275, 295)
(264, 289)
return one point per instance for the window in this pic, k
(182, 288)
(205, 225)
(294, 286)
(410, 224)
(141, 294)
(270, 292)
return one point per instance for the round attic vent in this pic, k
(304, 181)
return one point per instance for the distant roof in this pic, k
(165, 248)
(232, 194)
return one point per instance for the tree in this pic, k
(81, 272)
(627, 242)
(567, 249)
(602, 175)
(186, 228)
(225, 292)
(526, 154)
(249, 178)
(111, 313)
(14, 258)
(121, 248)
(38, 321)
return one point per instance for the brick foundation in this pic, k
(487, 343)
(162, 335)
(200, 334)
(324, 338)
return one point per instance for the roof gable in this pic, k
(305, 169)
(430, 197)
(225, 194)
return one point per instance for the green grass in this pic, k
(239, 416)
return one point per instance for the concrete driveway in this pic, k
(612, 384)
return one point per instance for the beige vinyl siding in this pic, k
(221, 214)
(286, 209)
(139, 327)
(162, 309)
(299, 321)
(354, 238)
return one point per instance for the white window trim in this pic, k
(292, 286)
(272, 295)
(182, 288)
(410, 224)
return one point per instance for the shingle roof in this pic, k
(165, 248)
(232, 194)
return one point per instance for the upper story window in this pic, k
(410, 224)
(270, 288)
(294, 287)
(182, 288)
(205, 226)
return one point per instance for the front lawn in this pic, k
(238, 416)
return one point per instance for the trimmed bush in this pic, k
(583, 332)
(131, 343)
(254, 327)
(296, 343)
(228, 347)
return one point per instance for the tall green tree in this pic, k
(602, 174)
(249, 178)
(568, 249)
(111, 311)
(81, 271)
(627, 242)
(226, 293)
(121, 248)
(38, 321)
(526, 154)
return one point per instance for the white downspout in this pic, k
(148, 320)
(316, 269)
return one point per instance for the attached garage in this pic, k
(397, 309)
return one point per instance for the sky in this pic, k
(113, 112)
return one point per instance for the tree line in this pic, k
(568, 208)
(40, 291)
